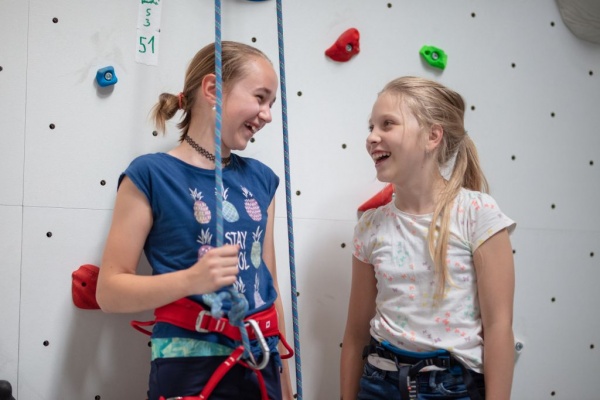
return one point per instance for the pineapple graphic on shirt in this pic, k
(201, 210)
(230, 214)
(258, 301)
(239, 285)
(204, 239)
(256, 252)
(251, 205)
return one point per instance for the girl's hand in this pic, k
(216, 269)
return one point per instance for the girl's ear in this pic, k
(436, 134)
(209, 88)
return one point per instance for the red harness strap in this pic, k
(190, 315)
(219, 374)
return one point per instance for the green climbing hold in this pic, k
(435, 57)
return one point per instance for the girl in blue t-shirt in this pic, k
(166, 206)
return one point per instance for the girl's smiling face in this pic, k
(396, 142)
(247, 103)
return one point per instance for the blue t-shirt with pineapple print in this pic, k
(183, 202)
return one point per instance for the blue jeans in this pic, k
(376, 384)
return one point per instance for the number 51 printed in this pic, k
(148, 31)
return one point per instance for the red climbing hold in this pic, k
(345, 47)
(83, 287)
(381, 198)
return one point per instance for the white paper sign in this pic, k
(148, 31)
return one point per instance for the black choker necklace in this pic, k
(204, 152)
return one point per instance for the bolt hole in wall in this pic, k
(46, 343)
(49, 234)
(52, 126)
(55, 20)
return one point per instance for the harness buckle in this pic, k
(263, 346)
(199, 328)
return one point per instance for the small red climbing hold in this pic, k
(345, 47)
(381, 198)
(83, 287)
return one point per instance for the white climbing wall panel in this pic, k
(532, 90)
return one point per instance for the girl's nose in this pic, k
(373, 137)
(265, 113)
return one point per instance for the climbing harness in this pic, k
(410, 363)
(188, 314)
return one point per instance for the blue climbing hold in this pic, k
(106, 76)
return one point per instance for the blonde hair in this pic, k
(434, 104)
(234, 58)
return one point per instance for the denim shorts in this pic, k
(187, 376)
(377, 384)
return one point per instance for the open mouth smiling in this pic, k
(251, 128)
(380, 156)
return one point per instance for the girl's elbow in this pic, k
(104, 301)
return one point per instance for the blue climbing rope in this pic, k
(288, 198)
(239, 304)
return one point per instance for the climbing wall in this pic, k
(533, 94)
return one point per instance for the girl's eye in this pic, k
(387, 123)
(370, 128)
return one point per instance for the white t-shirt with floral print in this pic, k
(395, 243)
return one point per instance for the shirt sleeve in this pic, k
(486, 219)
(139, 173)
(363, 237)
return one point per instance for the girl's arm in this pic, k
(361, 309)
(269, 258)
(496, 285)
(121, 290)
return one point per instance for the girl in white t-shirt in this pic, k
(433, 269)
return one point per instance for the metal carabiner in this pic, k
(266, 353)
